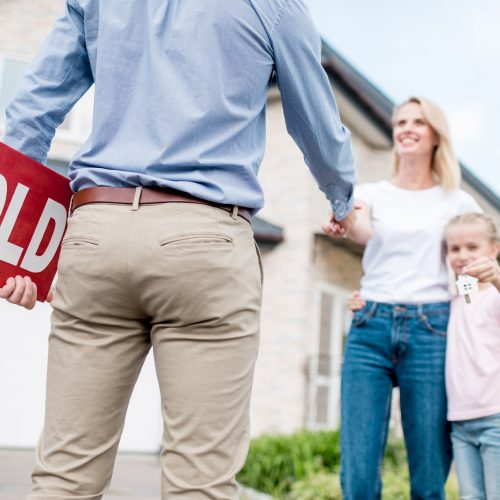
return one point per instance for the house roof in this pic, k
(378, 108)
(266, 232)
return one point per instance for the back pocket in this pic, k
(209, 238)
(80, 242)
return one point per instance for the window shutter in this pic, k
(326, 359)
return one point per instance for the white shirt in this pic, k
(404, 261)
(473, 356)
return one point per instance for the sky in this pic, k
(445, 50)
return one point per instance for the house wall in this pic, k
(293, 271)
(23, 26)
(25, 23)
(296, 269)
(279, 387)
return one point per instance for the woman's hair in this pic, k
(474, 218)
(445, 166)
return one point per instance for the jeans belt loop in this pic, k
(420, 310)
(372, 309)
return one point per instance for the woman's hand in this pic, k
(355, 302)
(336, 229)
(356, 226)
(485, 269)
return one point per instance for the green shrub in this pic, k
(452, 488)
(395, 483)
(326, 486)
(320, 486)
(395, 452)
(274, 463)
(305, 465)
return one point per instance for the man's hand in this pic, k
(485, 269)
(336, 229)
(20, 291)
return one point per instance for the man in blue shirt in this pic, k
(159, 251)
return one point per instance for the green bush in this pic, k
(326, 486)
(320, 486)
(274, 463)
(395, 453)
(452, 488)
(305, 466)
(395, 483)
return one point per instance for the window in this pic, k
(77, 124)
(332, 322)
(11, 71)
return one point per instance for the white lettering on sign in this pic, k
(12, 253)
(37, 263)
(9, 252)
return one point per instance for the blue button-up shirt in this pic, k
(180, 96)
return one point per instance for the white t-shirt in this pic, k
(473, 356)
(404, 261)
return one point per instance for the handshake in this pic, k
(344, 228)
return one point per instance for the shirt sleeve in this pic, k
(311, 113)
(57, 78)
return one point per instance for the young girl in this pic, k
(473, 356)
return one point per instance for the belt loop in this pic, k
(137, 198)
(420, 310)
(234, 212)
(70, 210)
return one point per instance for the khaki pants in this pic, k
(184, 279)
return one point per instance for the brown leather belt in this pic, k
(148, 196)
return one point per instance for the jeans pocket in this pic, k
(361, 316)
(437, 324)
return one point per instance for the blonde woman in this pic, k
(399, 337)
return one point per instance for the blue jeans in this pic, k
(395, 345)
(476, 447)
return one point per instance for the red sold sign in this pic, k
(34, 204)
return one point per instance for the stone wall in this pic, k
(293, 269)
(24, 24)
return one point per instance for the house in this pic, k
(307, 275)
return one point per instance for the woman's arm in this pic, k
(362, 229)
